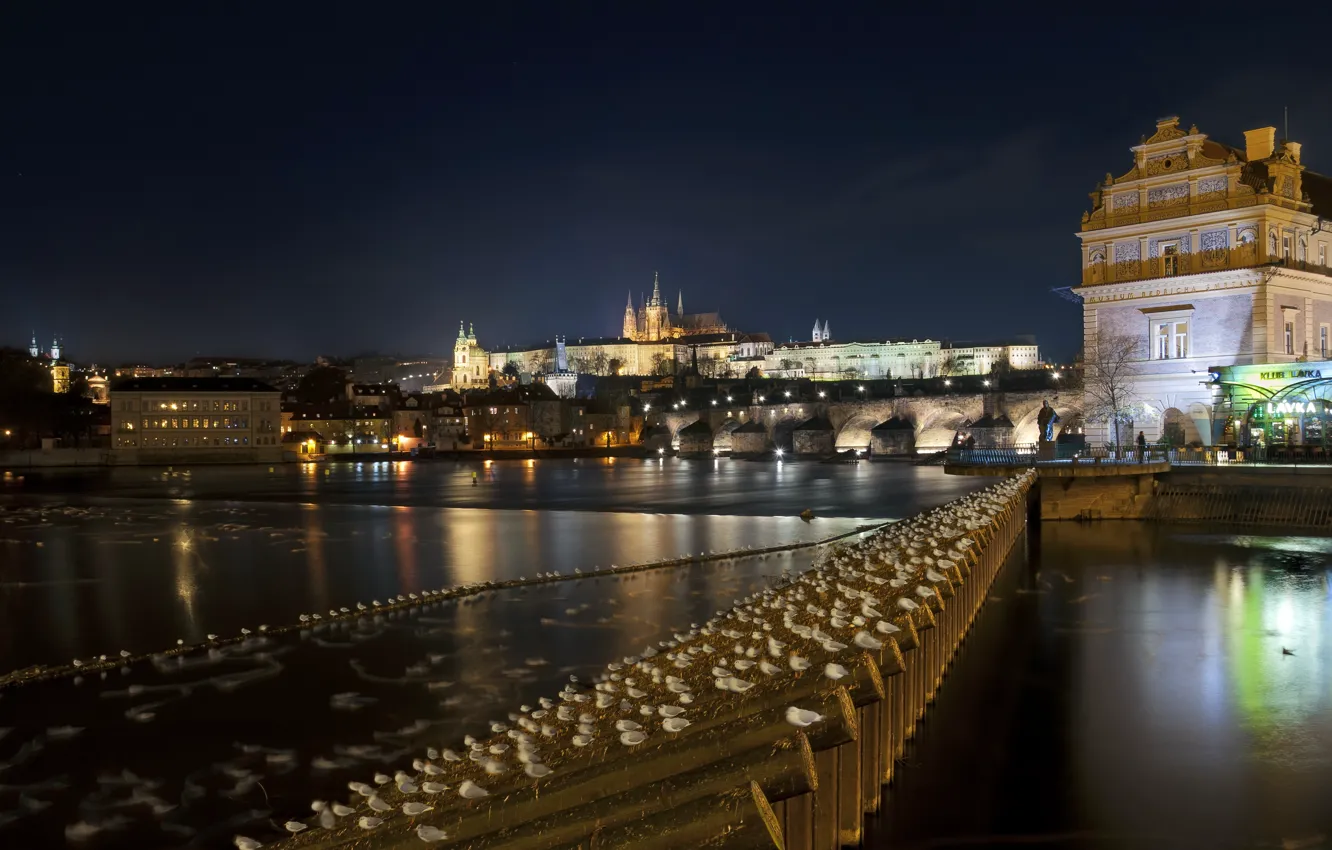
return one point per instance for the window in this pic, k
(1322, 341)
(1290, 337)
(1322, 254)
(1170, 260)
(1285, 247)
(1170, 339)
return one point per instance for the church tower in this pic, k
(630, 320)
(460, 364)
(657, 322)
(33, 350)
(55, 348)
(818, 332)
(827, 334)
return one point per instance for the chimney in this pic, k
(1259, 144)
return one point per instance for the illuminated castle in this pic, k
(653, 321)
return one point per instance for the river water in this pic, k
(1124, 688)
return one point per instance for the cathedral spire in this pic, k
(461, 335)
(656, 291)
(679, 305)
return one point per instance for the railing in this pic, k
(1250, 455)
(1064, 453)
(1151, 268)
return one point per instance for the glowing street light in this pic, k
(728, 398)
(714, 402)
(1055, 376)
(822, 394)
(761, 399)
(860, 389)
(646, 408)
(779, 454)
(661, 451)
(788, 393)
(947, 383)
(986, 382)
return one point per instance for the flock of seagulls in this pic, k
(813, 625)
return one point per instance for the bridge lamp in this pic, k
(788, 393)
(986, 382)
(716, 452)
(677, 405)
(780, 453)
(728, 398)
(860, 389)
(947, 383)
(714, 402)
(822, 394)
(760, 399)
(661, 451)
(646, 408)
(1055, 376)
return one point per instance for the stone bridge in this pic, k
(935, 418)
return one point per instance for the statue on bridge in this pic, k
(1047, 419)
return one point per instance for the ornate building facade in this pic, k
(653, 322)
(1203, 255)
(471, 363)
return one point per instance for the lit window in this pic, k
(1290, 337)
(1170, 339)
(1285, 247)
(1170, 260)
(1322, 254)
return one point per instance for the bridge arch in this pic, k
(783, 433)
(721, 437)
(936, 428)
(855, 432)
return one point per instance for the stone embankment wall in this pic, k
(773, 725)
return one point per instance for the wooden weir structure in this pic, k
(873, 628)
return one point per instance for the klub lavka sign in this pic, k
(1290, 375)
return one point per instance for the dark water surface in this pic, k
(135, 559)
(1126, 688)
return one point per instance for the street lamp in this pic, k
(986, 382)
(1055, 376)
(779, 454)
(860, 389)
(947, 383)
(822, 394)
(788, 393)
(646, 408)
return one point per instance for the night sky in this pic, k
(334, 180)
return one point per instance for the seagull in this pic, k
(630, 739)
(430, 834)
(341, 810)
(801, 718)
(243, 843)
(469, 790)
(294, 826)
(411, 810)
(674, 724)
(367, 822)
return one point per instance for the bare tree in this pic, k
(948, 365)
(538, 362)
(660, 364)
(599, 362)
(1110, 364)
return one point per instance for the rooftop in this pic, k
(192, 385)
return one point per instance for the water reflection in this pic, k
(1129, 688)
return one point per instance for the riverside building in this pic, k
(1205, 258)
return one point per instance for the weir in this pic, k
(773, 725)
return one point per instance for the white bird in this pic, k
(674, 724)
(382, 779)
(434, 787)
(469, 790)
(125, 654)
(865, 641)
(327, 820)
(341, 810)
(378, 804)
(627, 726)
(411, 810)
(801, 718)
(367, 822)
(244, 843)
(361, 788)
(294, 826)
(798, 663)
(630, 739)
(536, 770)
(582, 740)
(430, 834)
(835, 671)
(670, 710)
